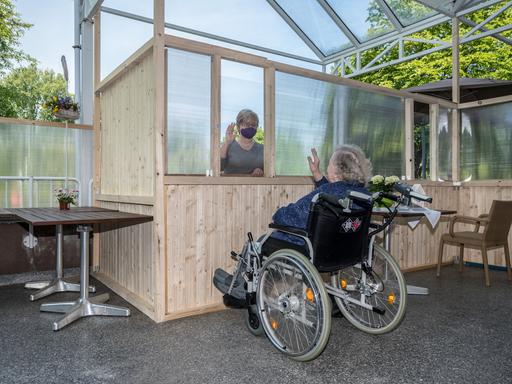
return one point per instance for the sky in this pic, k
(52, 33)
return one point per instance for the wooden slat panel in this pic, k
(127, 110)
(126, 256)
(206, 222)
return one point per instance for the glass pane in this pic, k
(364, 18)
(444, 144)
(409, 11)
(486, 140)
(316, 24)
(242, 89)
(421, 141)
(229, 18)
(45, 153)
(188, 112)
(312, 113)
(120, 37)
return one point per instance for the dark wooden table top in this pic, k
(76, 216)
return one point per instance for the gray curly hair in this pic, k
(351, 164)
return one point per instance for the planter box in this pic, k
(67, 114)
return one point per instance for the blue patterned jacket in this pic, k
(296, 214)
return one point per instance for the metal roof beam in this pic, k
(296, 29)
(341, 25)
(175, 27)
(490, 18)
(483, 29)
(390, 15)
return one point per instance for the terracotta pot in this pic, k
(63, 205)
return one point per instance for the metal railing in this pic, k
(33, 191)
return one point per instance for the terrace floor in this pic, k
(460, 333)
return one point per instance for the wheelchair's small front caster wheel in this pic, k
(252, 320)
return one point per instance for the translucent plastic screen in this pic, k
(40, 151)
(312, 113)
(188, 112)
(444, 144)
(120, 38)
(241, 88)
(486, 142)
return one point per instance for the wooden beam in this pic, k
(215, 128)
(159, 216)
(270, 150)
(237, 180)
(409, 139)
(128, 199)
(125, 66)
(482, 103)
(42, 123)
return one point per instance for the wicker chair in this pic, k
(497, 225)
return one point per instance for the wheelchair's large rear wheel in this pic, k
(294, 307)
(383, 288)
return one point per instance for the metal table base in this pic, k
(411, 289)
(46, 288)
(84, 306)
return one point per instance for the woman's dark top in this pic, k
(240, 161)
(296, 214)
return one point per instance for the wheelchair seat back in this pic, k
(339, 236)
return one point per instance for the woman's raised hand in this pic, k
(230, 133)
(314, 165)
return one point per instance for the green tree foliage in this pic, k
(11, 30)
(482, 58)
(24, 90)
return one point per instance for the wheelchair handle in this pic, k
(361, 197)
(407, 191)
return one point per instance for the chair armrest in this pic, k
(483, 215)
(283, 228)
(468, 220)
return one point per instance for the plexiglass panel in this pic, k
(486, 142)
(312, 113)
(409, 11)
(188, 112)
(241, 88)
(421, 141)
(137, 7)
(253, 22)
(120, 38)
(43, 153)
(444, 144)
(364, 18)
(316, 24)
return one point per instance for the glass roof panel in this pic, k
(364, 18)
(409, 11)
(253, 22)
(141, 8)
(316, 24)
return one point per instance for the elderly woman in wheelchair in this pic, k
(319, 246)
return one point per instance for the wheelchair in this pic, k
(288, 298)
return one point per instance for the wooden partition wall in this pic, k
(165, 268)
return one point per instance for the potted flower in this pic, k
(379, 183)
(66, 197)
(63, 107)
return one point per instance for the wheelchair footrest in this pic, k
(222, 281)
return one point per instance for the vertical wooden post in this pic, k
(269, 97)
(455, 99)
(215, 128)
(409, 139)
(96, 134)
(434, 118)
(160, 206)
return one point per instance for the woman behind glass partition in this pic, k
(242, 154)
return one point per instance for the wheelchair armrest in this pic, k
(284, 228)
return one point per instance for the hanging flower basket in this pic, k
(67, 114)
